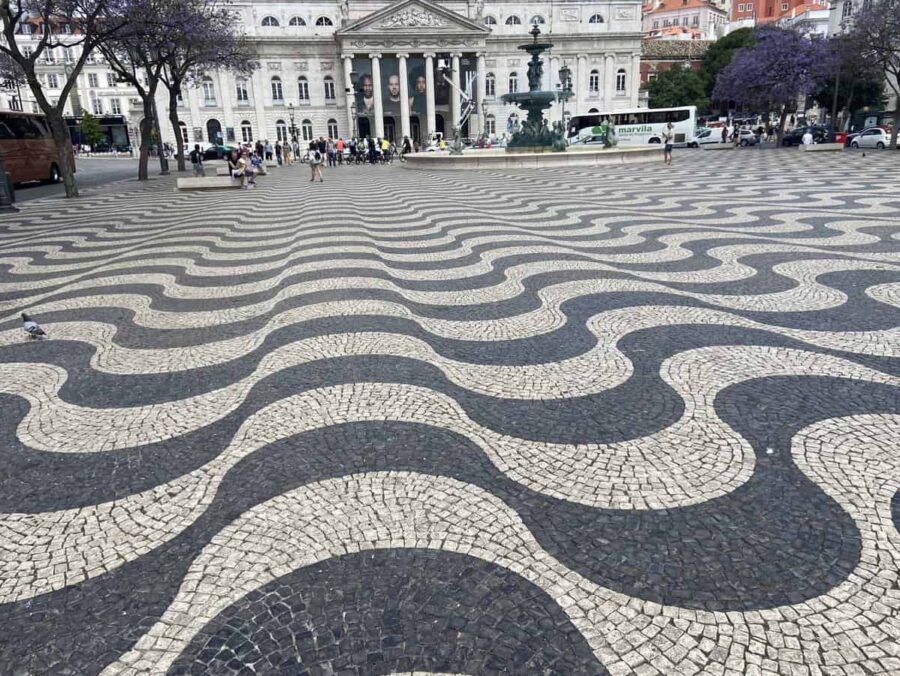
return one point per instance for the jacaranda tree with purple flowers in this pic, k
(208, 40)
(776, 72)
(875, 35)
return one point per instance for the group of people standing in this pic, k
(354, 151)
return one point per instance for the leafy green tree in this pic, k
(719, 55)
(678, 86)
(90, 129)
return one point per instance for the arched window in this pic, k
(270, 21)
(329, 88)
(281, 130)
(332, 129)
(303, 89)
(513, 82)
(209, 91)
(182, 128)
(246, 131)
(513, 21)
(595, 18)
(593, 110)
(537, 20)
(490, 85)
(489, 21)
(594, 82)
(620, 81)
(296, 21)
(277, 90)
(240, 90)
(324, 21)
(306, 130)
(490, 125)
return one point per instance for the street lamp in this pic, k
(565, 91)
(354, 78)
(293, 126)
(353, 115)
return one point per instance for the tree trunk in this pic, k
(781, 121)
(146, 139)
(896, 126)
(176, 128)
(63, 142)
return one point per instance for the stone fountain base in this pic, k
(517, 158)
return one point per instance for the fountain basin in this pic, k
(516, 158)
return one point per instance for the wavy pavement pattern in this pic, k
(678, 312)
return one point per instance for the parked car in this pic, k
(592, 140)
(794, 137)
(210, 151)
(747, 137)
(705, 135)
(873, 137)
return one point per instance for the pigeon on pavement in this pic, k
(32, 328)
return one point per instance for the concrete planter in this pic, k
(821, 147)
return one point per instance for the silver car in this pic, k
(873, 137)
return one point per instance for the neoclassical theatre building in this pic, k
(362, 67)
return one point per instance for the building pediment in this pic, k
(413, 16)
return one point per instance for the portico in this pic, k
(401, 53)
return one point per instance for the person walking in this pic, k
(370, 146)
(268, 151)
(668, 139)
(405, 149)
(316, 159)
(329, 150)
(197, 160)
(278, 153)
(725, 134)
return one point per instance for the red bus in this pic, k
(28, 149)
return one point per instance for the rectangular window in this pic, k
(110, 80)
(49, 56)
(490, 86)
(696, 20)
(67, 55)
(115, 106)
(784, 6)
(52, 81)
(329, 90)
(92, 79)
(656, 24)
(97, 105)
(490, 126)
(749, 6)
(741, 7)
(303, 89)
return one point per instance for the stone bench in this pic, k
(718, 146)
(821, 147)
(208, 183)
(224, 171)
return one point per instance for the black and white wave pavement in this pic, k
(637, 422)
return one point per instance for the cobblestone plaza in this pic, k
(644, 421)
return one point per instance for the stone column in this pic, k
(609, 82)
(480, 84)
(226, 88)
(259, 104)
(404, 99)
(455, 108)
(429, 93)
(349, 94)
(379, 108)
(635, 80)
(582, 80)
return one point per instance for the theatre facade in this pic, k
(364, 67)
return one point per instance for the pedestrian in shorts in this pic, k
(197, 160)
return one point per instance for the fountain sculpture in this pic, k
(534, 134)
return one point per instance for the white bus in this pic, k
(638, 126)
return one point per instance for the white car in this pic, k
(705, 135)
(873, 137)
